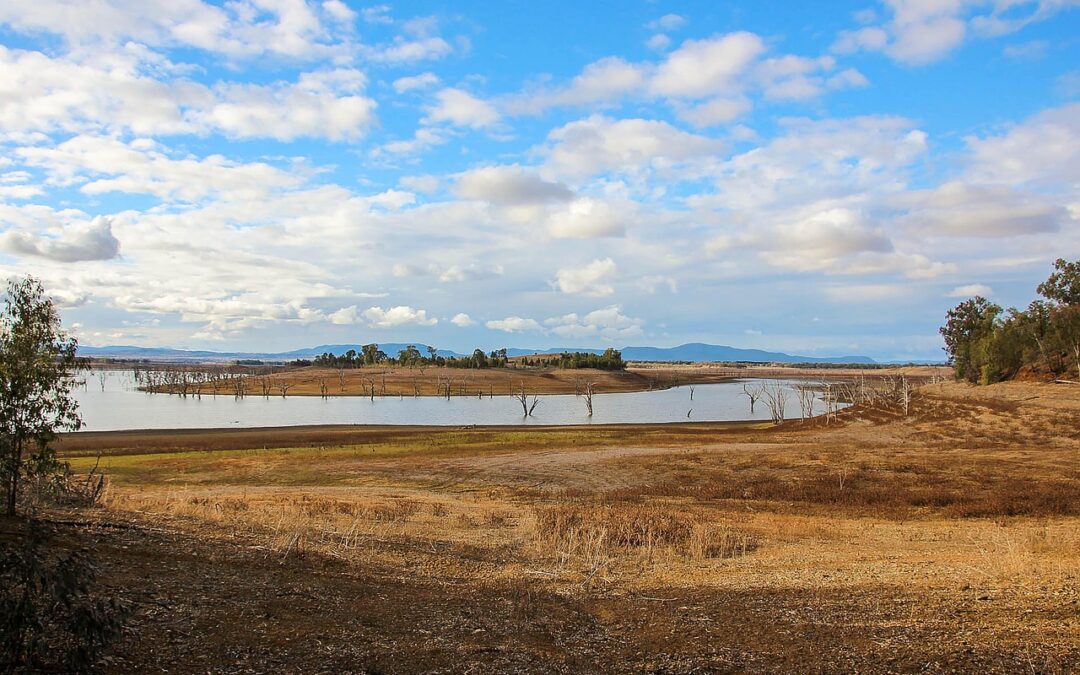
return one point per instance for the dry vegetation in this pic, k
(405, 381)
(947, 539)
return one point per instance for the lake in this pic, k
(109, 401)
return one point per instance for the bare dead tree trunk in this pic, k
(753, 392)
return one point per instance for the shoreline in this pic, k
(144, 441)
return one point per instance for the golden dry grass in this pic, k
(963, 516)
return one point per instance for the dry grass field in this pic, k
(946, 540)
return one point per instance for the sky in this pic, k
(263, 175)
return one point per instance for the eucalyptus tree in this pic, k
(37, 374)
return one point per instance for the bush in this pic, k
(49, 617)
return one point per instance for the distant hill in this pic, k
(695, 351)
(698, 351)
(168, 354)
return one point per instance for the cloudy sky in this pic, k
(271, 174)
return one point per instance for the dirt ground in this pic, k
(944, 540)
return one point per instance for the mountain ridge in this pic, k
(692, 351)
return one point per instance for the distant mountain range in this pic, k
(694, 351)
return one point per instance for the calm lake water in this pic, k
(120, 406)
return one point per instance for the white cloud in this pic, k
(346, 316)
(604, 80)
(922, 32)
(658, 42)
(76, 242)
(423, 139)
(711, 67)
(970, 290)
(508, 185)
(458, 273)
(47, 94)
(514, 324)
(592, 279)
(608, 323)
(402, 315)
(404, 50)
(421, 81)
(463, 109)
(599, 144)
(298, 30)
(667, 22)
(586, 218)
(714, 112)
(960, 209)
(102, 165)
(462, 320)
(1009, 158)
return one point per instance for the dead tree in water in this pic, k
(284, 386)
(586, 389)
(806, 401)
(776, 400)
(754, 392)
(523, 399)
(323, 388)
(691, 392)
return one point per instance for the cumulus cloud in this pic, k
(76, 242)
(401, 315)
(104, 164)
(592, 279)
(586, 218)
(321, 104)
(509, 185)
(462, 320)
(461, 108)
(608, 323)
(701, 68)
(514, 324)
(919, 33)
(726, 66)
(599, 144)
(47, 94)
(298, 30)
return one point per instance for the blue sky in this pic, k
(270, 174)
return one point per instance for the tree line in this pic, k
(411, 357)
(987, 344)
(611, 359)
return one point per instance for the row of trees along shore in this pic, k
(370, 355)
(986, 344)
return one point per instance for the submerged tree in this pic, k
(37, 373)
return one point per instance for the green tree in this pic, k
(371, 353)
(968, 328)
(409, 356)
(37, 367)
(1062, 289)
(1063, 285)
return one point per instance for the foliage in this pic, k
(37, 371)
(410, 357)
(49, 617)
(611, 359)
(987, 345)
